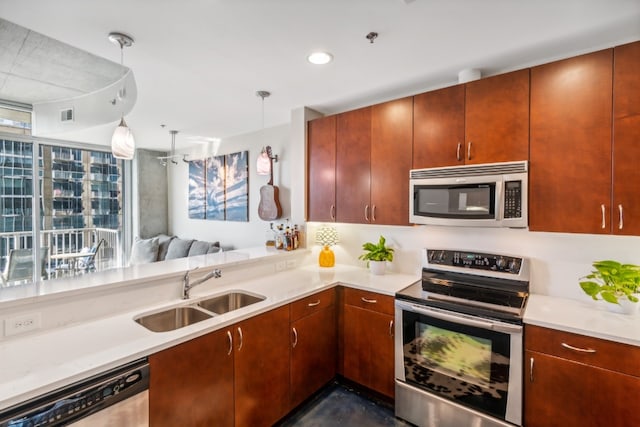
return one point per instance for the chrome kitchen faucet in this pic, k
(187, 285)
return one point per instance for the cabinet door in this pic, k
(438, 128)
(556, 393)
(353, 165)
(391, 154)
(610, 392)
(321, 169)
(261, 360)
(497, 118)
(626, 136)
(368, 349)
(570, 159)
(313, 353)
(192, 383)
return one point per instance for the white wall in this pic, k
(558, 260)
(231, 233)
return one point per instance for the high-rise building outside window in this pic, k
(80, 209)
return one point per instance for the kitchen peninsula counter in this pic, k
(44, 361)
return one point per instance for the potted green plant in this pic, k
(377, 255)
(614, 283)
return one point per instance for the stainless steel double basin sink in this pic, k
(185, 315)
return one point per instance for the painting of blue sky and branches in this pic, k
(219, 188)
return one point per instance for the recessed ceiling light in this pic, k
(320, 58)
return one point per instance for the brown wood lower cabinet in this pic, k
(236, 376)
(192, 383)
(261, 371)
(313, 347)
(574, 380)
(367, 340)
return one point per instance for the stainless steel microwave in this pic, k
(484, 195)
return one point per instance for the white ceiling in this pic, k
(198, 63)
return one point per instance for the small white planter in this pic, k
(377, 267)
(624, 306)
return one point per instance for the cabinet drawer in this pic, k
(369, 300)
(312, 303)
(597, 352)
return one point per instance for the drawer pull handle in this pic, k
(391, 328)
(313, 304)
(581, 350)
(369, 301)
(295, 337)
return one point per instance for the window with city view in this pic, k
(79, 192)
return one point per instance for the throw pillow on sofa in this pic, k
(144, 251)
(200, 247)
(163, 245)
(178, 248)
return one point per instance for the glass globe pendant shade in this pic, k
(122, 143)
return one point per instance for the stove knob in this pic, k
(513, 265)
(501, 263)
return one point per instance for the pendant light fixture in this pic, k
(122, 142)
(164, 160)
(263, 165)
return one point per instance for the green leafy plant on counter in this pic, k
(611, 281)
(376, 252)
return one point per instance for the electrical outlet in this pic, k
(291, 263)
(22, 323)
(281, 265)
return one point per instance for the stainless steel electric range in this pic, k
(458, 341)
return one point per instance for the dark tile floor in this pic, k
(339, 405)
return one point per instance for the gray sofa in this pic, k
(163, 247)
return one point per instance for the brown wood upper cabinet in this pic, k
(626, 139)
(484, 121)
(359, 164)
(570, 159)
(321, 169)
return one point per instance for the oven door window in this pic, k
(473, 201)
(466, 364)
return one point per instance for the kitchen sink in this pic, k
(172, 319)
(228, 302)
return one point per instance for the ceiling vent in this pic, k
(66, 115)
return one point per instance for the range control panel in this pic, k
(475, 260)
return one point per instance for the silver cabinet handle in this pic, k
(295, 337)
(469, 151)
(604, 223)
(332, 212)
(373, 213)
(366, 213)
(531, 369)
(581, 350)
(621, 222)
(370, 301)
(391, 328)
(230, 342)
(458, 151)
(313, 304)
(241, 338)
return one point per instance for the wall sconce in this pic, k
(263, 165)
(327, 236)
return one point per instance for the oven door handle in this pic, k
(439, 314)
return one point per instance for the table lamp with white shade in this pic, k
(327, 236)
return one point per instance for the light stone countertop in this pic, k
(586, 317)
(42, 362)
